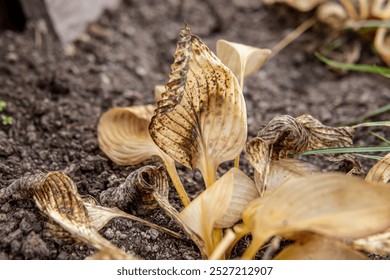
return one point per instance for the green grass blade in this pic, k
(369, 124)
(348, 150)
(367, 24)
(354, 67)
(380, 137)
(369, 156)
(374, 113)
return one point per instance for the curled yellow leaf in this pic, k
(219, 206)
(243, 60)
(380, 172)
(326, 204)
(201, 120)
(124, 137)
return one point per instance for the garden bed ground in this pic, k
(55, 99)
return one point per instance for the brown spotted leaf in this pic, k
(201, 120)
(56, 196)
(285, 135)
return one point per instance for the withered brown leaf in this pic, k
(201, 119)
(56, 196)
(285, 135)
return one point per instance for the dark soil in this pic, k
(55, 99)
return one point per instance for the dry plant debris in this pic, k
(351, 14)
(200, 122)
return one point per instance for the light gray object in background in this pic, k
(67, 19)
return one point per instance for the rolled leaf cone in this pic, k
(242, 59)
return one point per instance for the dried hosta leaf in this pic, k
(332, 205)
(382, 43)
(380, 9)
(285, 135)
(219, 206)
(380, 172)
(301, 5)
(316, 247)
(201, 119)
(243, 60)
(333, 14)
(124, 137)
(137, 190)
(56, 196)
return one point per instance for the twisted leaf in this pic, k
(285, 135)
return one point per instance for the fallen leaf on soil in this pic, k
(285, 135)
(56, 196)
(317, 247)
(380, 172)
(201, 120)
(219, 206)
(326, 204)
(124, 137)
(137, 190)
(301, 5)
(243, 60)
